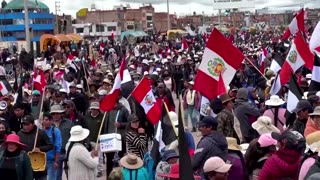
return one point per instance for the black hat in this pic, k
(292, 139)
(209, 121)
(303, 104)
(168, 154)
(28, 119)
(133, 118)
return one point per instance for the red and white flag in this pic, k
(144, 95)
(221, 86)
(101, 48)
(298, 56)
(220, 57)
(3, 89)
(108, 102)
(184, 44)
(296, 25)
(314, 43)
(243, 35)
(263, 57)
(112, 35)
(39, 81)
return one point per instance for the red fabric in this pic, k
(282, 164)
(72, 116)
(296, 25)
(164, 99)
(191, 152)
(221, 86)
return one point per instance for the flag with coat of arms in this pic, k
(220, 58)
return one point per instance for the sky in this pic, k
(180, 7)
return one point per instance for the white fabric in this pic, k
(313, 147)
(144, 103)
(190, 97)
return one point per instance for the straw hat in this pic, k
(78, 133)
(316, 112)
(313, 142)
(264, 125)
(275, 100)
(232, 144)
(131, 161)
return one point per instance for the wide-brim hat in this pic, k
(264, 125)
(78, 133)
(316, 112)
(275, 100)
(232, 144)
(57, 108)
(13, 138)
(225, 98)
(131, 161)
(313, 142)
(94, 105)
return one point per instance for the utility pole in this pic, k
(27, 26)
(56, 20)
(168, 13)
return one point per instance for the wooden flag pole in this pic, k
(173, 126)
(257, 69)
(100, 129)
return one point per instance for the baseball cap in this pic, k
(303, 104)
(216, 164)
(168, 154)
(266, 140)
(293, 139)
(36, 92)
(27, 119)
(208, 121)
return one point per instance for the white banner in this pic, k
(205, 108)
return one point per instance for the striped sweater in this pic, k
(136, 143)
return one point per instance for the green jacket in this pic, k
(23, 165)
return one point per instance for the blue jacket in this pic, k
(142, 174)
(57, 144)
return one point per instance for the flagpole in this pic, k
(257, 69)
(167, 110)
(100, 129)
(27, 26)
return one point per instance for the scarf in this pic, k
(190, 97)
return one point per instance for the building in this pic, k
(102, 30)
(12, 22)
(161, 21)
(63, 24)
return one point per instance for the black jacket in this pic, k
(214, 144)
(28, 138)
(80, 101)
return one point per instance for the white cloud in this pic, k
(181, 7)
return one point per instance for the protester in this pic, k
(72, 114)
(213, 143)
(169, 157)
(136, 139)
(264, 125)
(80, 163)
(53, 156)
(216, 168)
(276, 113)
(14, 161)
(313, 123)
(3, 132)
(133, 168)
(303, 109)
(285, 162)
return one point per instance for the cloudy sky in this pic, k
(180, 7)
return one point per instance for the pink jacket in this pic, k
(305, 167)
(281, 117)
(197, 99)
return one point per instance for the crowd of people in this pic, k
(245, 131)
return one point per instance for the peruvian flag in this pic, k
(101, 48)
(263, 57)
(58, 75)
(220, 57)
(298, 56)
(243, 35)
(314, 43)
(39, 82)
(107, 104)
(144, 95)
(112, 35)
(184, 44)
(296, 25)
(231, 38)
(3, 89)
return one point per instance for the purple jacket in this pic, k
(197, 99)
(236, 171)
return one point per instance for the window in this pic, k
(79, 30)
(149, 18)
(130, 27)
(99, 28)
(111, 28)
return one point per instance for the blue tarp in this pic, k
(133, 33)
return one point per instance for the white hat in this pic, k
(158, 69)
(145, 73)
(77, 60)
(191, 82)
(8, 59)
(155, 73)
(102, 92)
(275, 100)
(168, 57)
(309, 76)
(63, 91)
(94, 105)
(264, 125)
(56, 108)
(132, 66)
(78, 133)
(150, 61)
(318, 93)
(216, 164)
(79, 86)
(145, 61)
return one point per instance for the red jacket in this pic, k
(282, 164)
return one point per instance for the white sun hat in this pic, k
(78, 133)
(275, 100)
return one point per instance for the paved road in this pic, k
(196, 137)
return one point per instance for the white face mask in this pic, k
(136, 82)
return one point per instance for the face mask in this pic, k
(136, 82)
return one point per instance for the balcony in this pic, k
(36, 27)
